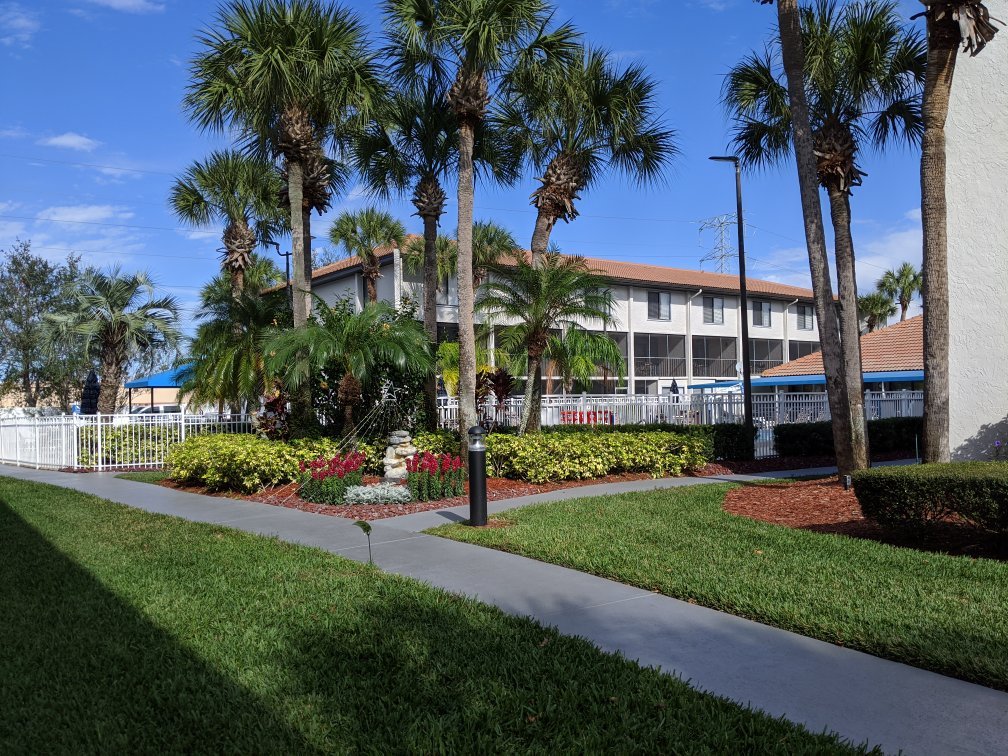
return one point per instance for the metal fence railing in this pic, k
(105, 442)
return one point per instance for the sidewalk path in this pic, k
(824, 687)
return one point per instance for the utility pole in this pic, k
(723, 251)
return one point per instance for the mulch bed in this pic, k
(823, 506)
(772, 464)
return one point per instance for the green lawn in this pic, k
(145, 476)
(949, 614)
(130, 632)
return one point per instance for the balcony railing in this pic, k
(659, 367)
(758, 366)
(713, 367)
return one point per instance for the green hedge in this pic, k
(728, 441)
(540, 458)
(914, 495)
(897, 434)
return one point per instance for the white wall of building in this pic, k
(977, 190)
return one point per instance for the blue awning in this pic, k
(168, 379)
(819, 380)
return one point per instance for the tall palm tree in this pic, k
(226, 354)
(849, 435)
(901, 285)
(562, 292)
(578, 355)
(287, 76)
(121, 319)
(363, 233)
(875, 309)
(863, 79)
(477, 46)
(352, 345)
(238, 191)
(589, 117)
(948, 24)
(492, 244)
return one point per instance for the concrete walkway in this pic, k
(824, 687)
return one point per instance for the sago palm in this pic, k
(901, 285)
(875, 309)
(351, 345)
(579, 122)
(363, 233)
(238, 191)
(287, 76)
(562, 292)
(476, 46)
(121, 318)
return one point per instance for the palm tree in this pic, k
(901, 285)
(948, 24)
(875, 309)
(588, 118)
(121, 319)
(849, 433)
(362, 234)
(492, 244)
(352, 345)
(577, 356)
(560, 293)
(287, 76)
(477, 46)
(226, 354)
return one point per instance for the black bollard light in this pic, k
(477, 477)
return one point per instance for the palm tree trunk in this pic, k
(430, 276)
(237, 282)
(942, 50)
(793, 54)
(541, 235)
(531, 418)
(307, 246)
(111, 379)
(371, 287)
(904, 306)
(466, 294)
(295, 190)
(850, 330)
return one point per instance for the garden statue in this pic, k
(400, 449)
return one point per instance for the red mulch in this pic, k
(824, 507)
(772, 464)
(497, 488)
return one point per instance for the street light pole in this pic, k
(287, 257)
(743, 293)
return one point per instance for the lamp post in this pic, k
(743, 292)
(287, 257)
(477, 477)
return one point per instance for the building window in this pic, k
(714, 356)
(659, 354)
(765, 354)
(659, 305)
(713, 310)
(798, 349)
(761, 313)
(806, 319)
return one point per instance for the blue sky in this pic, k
(92, 135)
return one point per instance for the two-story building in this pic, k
(672, 325)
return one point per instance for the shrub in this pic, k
(434, 476)
(325, 480)
(125, 444)
(380, 493)
(539, 458)
(727, 440)
(896, 434)
(915, 495)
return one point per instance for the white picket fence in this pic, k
(105, 442)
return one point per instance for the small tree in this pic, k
(363, 234)
(875, 309)
(901, 285)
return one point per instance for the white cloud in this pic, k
(17, 25)
(914, 215)
(85, 214)
(9, 231)
(202, 235)
(70, 140)
(13, 133)
(131, 6)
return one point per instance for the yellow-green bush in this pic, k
(541, 458)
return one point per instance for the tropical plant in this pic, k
(448, 364)
(578, 122)
(364, 233)
(560, 293)
(577, 356)
(238, 191)
(226, 354)
(121, 320)
(850, 436)
(491, 245)
(477, 46)
(875, 309)
(901, 285)
(287, 76)
(948, 24)
(349, 346)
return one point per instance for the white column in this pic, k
(689, 336)
(631, 372)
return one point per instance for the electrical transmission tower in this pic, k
(723, 253)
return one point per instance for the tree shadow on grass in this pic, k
(82, 671)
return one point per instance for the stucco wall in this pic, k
(977, 148)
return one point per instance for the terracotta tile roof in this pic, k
(896, 347)
(630, 272)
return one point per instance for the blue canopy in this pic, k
(168, 379)
(820, 379)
